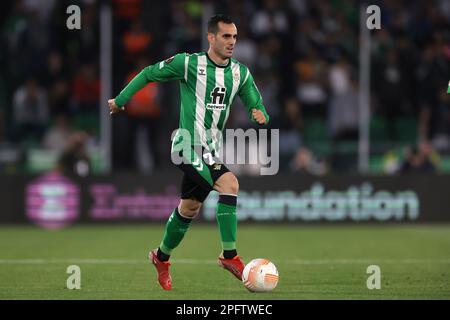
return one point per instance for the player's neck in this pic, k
(216, 59)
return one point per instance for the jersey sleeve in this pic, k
(251, 97)
(172, 68)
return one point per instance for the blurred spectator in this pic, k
(390, 89)
(343, 116)
(3, 103)
(269, 87)
(434, 123)
(88, 35)
(141, 140)
(33, 43)
(292, 116)
(185, 31)
(305, 162)
(267, 60)
(2, 126)
(30, 111)
(300, 7)
(427, 73)
(291, 126)
(444, 8)
(127, 9)
(307, 35)
(86, 89)
(392, 161)
(125, 13)
(310, 84)
(343, 104)
(57, 136)
(136, 41)
(56, 81)
(74, 161)
(271, 18)
(247, 50)
(58, 97)
(42, 8)
(190, 40)
(55, 68)
(421, 159)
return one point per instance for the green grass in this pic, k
(314, 262)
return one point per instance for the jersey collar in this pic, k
(218, 65)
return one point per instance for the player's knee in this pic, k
(193, 211)
(189, 209)
(227, 183)
(232, 185)
(189, 212)
(235, 186)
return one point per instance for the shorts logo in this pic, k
(198, 164)
(208, 158)
(217, 166)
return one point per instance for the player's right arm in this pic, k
(166, 70)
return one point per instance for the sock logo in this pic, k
(225, 213)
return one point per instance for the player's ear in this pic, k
(210, 37)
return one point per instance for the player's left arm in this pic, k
(253, 101)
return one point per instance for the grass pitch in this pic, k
(314, 262)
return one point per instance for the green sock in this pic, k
(176, 227)
(227, 220)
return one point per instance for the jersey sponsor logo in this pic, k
(217, 98)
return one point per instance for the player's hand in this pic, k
(113, 108)
(258, 116)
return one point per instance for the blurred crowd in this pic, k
(303, 54)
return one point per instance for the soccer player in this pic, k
(209, 82)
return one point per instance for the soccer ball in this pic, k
(260, 275)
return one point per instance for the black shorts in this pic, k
(199, 176)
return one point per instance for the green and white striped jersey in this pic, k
(207, 91)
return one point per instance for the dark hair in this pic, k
(213, 23)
